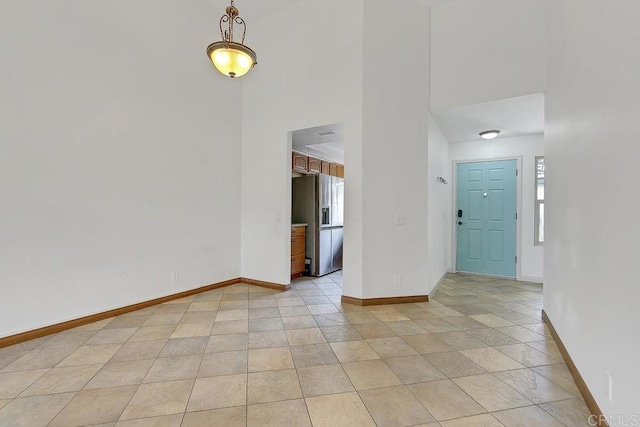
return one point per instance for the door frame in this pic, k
(454, 192)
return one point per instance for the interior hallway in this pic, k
(242, 355)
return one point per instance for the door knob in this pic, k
(460, 222)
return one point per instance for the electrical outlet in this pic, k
(397, 281)
(609, 386)
(175, 276)
(400, 219)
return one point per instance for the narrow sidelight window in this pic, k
(539, 202)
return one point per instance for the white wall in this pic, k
(531, 256)
(395, 132)
(484, 50)
(591, 155)
(312, 79)
(116, 136)
(439, 234)
(340, 76)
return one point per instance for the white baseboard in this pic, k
(531, 279)
(521, 278)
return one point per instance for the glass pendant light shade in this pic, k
(231, 58)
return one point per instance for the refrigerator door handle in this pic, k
(326, 215)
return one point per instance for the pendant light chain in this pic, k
(231, 19)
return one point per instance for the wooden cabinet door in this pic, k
(325, 167)
(297, 264)
(298, 238)
(340, 171)
(299, 162)
(297, 245)
(333, 169)
(315, 165)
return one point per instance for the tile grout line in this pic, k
(103, 365)
(147, 373)
(509, 300)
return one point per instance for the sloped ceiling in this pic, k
(523, 115)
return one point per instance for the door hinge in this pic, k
(516, 172)
(516, 259)
(516, 215)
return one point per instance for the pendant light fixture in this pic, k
(231, 58)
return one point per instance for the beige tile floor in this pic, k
(478, 355)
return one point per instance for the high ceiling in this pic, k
(436, 3)
(514, 117)
(256, 9)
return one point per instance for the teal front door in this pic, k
(485, 218)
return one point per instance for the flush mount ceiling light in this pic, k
(230, 58)
(489, 134)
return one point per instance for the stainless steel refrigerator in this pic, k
(318, 200)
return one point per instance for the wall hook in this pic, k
(442, 180)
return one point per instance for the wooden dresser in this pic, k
(298, 239)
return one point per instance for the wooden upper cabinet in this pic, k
(315, 165)
(307, 164)
(299, 162)
(326, 167)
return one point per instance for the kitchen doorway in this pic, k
(317, 206)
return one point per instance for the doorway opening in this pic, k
(317, 206)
